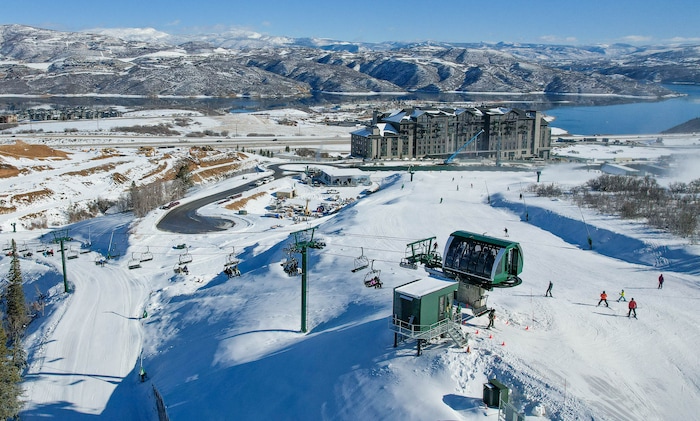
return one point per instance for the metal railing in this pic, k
(449, 326)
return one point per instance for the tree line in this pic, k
(675, 209)
(13, 357)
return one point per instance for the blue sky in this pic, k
(541, 21)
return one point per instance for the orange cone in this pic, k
(468, 349)
(504, 343)
(527, 327)
(477, 332)
(490, 336)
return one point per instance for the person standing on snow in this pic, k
(632, 308)
(622, 296)
(661, 281)
(603, 299)
(549, 290)
(492, 318)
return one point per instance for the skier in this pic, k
(604, 299)
(142, 374)
(505, 231)
(661, 281)
(492, 318)
(622, 296)
(549, 290)
(632, 308)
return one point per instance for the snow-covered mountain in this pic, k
(146, 62)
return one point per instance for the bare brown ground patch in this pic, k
(94, 170)
(31, 151)
(30, 197)
(8, 171)
(7, 209)
(240, 204)
(161, 167)
(213, 172)
(120, 178)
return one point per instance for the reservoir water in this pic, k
(634, 118)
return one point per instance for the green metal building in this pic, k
(423, 310)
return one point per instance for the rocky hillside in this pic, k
(44, 62)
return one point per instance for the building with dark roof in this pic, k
(509, 134)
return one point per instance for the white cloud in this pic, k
(555, 39)
(635, 39)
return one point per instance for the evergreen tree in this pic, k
(17, 318)
(10, 389)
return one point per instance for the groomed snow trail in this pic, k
(93, 343)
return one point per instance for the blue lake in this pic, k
(636, 118)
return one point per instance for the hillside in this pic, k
(691, 126)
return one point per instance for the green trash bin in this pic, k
(502, 391)
(490, 395)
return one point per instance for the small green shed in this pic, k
(423, 311)
(424, 302)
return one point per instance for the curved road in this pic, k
(184, 219)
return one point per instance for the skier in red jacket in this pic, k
(604, 299)
(632, 308)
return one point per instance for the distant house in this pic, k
(286, 194)
(509, 133)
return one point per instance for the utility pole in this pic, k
(303, 240)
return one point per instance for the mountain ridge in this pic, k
(36, 61)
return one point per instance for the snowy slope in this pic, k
(232, 349)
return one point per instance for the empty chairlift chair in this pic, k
(135, 262)
(72, 253)
(185, 258)
(146, 256)
(361, 262)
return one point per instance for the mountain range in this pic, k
(148, 63)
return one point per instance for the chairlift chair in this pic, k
(85, 248)
(135, 262)
(178, 268)
(291, 266)
(408, 264)
(185, 258)
(318, 243)
(231, 259)
(372, 278)
(146, 256)
(361, 262)
(100, 261)
(72, 253)
(231, 270)
(231, 265)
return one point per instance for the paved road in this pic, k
(184, 218)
